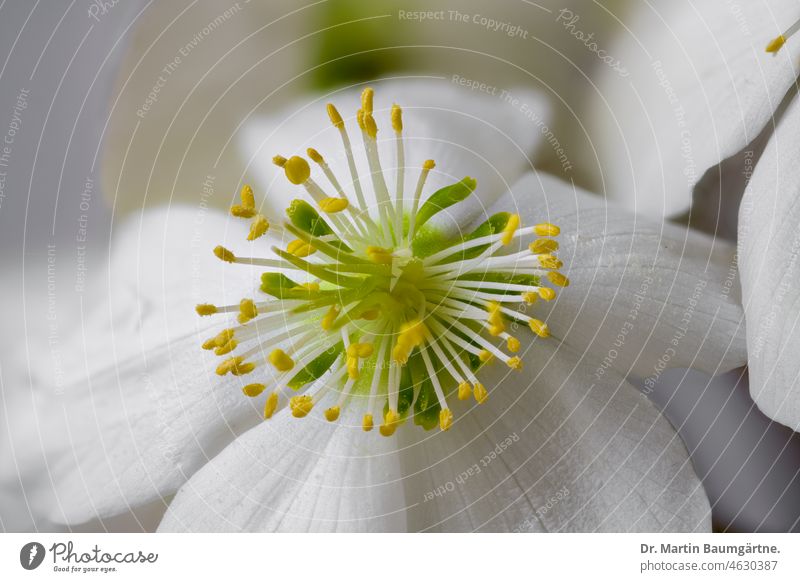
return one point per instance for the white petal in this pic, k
(553, 450)
(132, 407)
(465, 133)
(643, 295)
(769, 242)
(295, 475)
(700, 88)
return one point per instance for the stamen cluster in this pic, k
(383, 309)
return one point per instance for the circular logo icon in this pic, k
(31, 555)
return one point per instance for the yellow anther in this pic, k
(360, 118)
(206, 309)
(361, 350)
(496, 323)
(546, 293)
(248, 199)
(464, 391)
(224, 337)
(510, 229)
(390, 421)
(297, 170)
(367, 96)
(546, 229)
(480, 393)
(253, 390)
(240, 211)
(242, 369)
(428, 165)
(333, 205)
(497, 330)
(379, 255)
(209, 344)
(371, 314)
(514, 363)
(543, 245)
(226, 348)
(330, 317)
(279, 161)
(776, 44)
(485, 356)
(270, 405)
(224, 254)
(315, 156)
(557, 278)
(367, 424)
(397, 118)
(229, 365)
(300, 248)
(369, 125)
(332, 414)
(513, 344)
(334, 116)
(445, 419)
(281, 360)
(539, 328)
(301, 405)
(530, 297)
(550, 262)
(352, 367)
(247, 310)
(412, 334)
(258, 228)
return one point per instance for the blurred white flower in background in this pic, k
(707, 111)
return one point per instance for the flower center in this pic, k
(377, 307)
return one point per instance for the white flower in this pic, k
(707, 101)
(560, 442)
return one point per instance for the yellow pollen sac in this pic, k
(485, 356)
(515, 363)
(367, 424)
(240, 211)
(333, 205)
(297, 170)
(390, 422)
(258, 228)
(464, 391)
(370, 126)
(428, 165)
(315, 156)
(546, 229)
(279, 161)
(224, 254)
(539, 328)
(363, 350)
(334, 116)
(230, 365)
(397, 118)
(206, 309)
(242, 369)
(550, 262)
(776, 44)
(543, 245)
(281, 360)
(497, 330)
(546, 293)
(513, 344)
(248, 199)
(558, 279)
(496, 323)
(445, 419)
(530, 297)
(301, 405)
(371, 314)
(379, 255)
(226, 348)
(247, 310)
(352, 367)
(480, 393)
(270, 405)
(300, 248)
(367, 96)
(209, 344)
(253, 390)
(332, 414)
(412, 334)
(510, 229)
(330, 317)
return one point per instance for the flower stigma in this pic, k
(377, 307)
